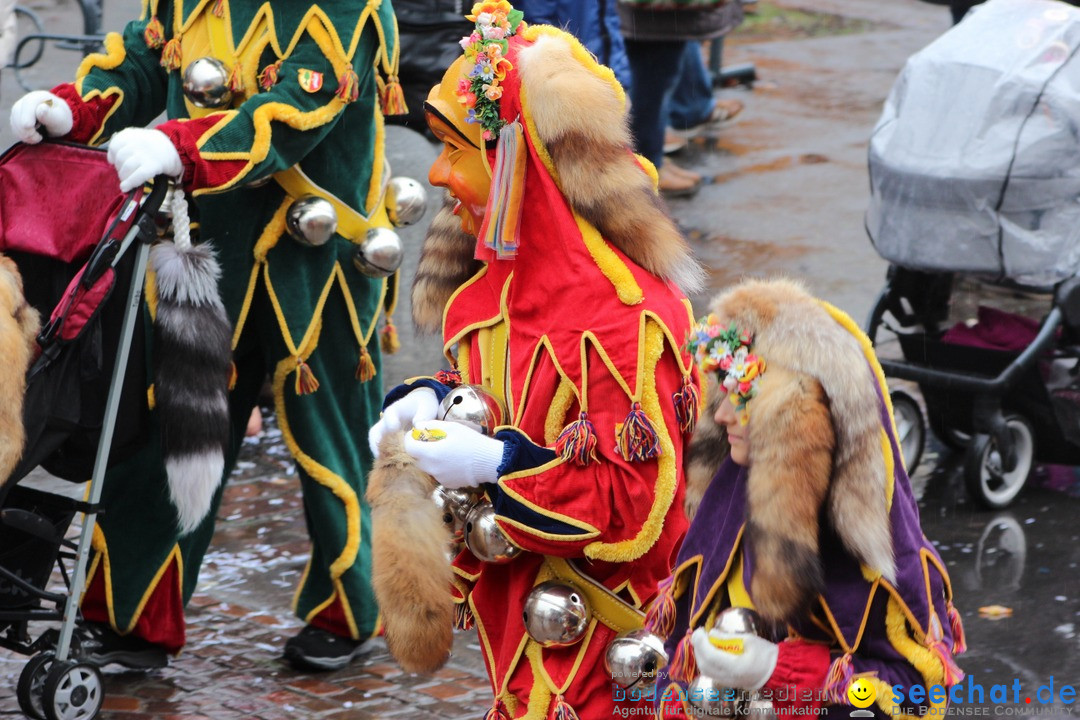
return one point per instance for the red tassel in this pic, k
(463, 617)
(449, 377)
(838, 679)
(171, 55)
(577, 441)
(393, 98)
(388, 338)
(219, 8)
(154, 34)
(563, 711)
(684, 663)
(935, 641)
(959, 641)
(269, 76)
(236, 78)
(498, 711)
(348, 86)
(365, 367)
(305, 379)
(660, 619)
(637, 440)
(686, 402)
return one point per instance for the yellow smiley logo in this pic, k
(861, 693)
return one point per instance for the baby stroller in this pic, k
(975, 174)
(83, 266)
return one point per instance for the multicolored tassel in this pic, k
(686, 401)
(577, 441)
(154, 34)
(935, 641)
(838, 679)
(236, 78)
(660, 619)
(365, 366)
(172, 55)
(463, 617)
(393, 98)
(348, 86)
(498, 711)
(219, 8)
(269, 76)
(563, 711)
(388, 338)
(449, 377)
(305, 379)
(503, 219)
(684, 663)
(959, 640)
(637, 439)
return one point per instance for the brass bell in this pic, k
(635, 658)
(406, 201)
(311, 221)
(708, 699)
(455, 506)
(206, 83)
(556, 614)
(485, 539)
(380, 254)
(473, 406)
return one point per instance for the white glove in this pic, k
(748, 670)
(141, 154)
(40, 107)
(419, 405)
(455, 455)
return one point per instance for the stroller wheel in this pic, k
(987, 478)
(31, 687)
(910, 429)
(74, 690)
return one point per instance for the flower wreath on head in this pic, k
(727, 352)
(486, 48)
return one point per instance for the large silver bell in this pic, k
(406, 201)
(311, 221)
(206, 83)
(708, 699)
(455, 506)
(473, 406)
(635, 658)
(484, 538)
(380, 254)
(556, 614)
(739, 621)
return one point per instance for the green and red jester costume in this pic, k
(309, 86)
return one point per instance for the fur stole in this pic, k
(19, 325)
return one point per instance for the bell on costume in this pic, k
(206, 83)
(311, 221)
(556, 614)
(455, 506)
(380, 254)
(635, 658)
(704, 696)
(406, 201)
(473, 406)
(484, 538)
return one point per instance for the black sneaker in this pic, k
(102, 645)
(316, 649)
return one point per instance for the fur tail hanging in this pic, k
(446, 261)
(19, 324)
(192, 361)
(411, 572)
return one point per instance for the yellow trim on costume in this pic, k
(862, 624)
(540, 693)
(666, 467)
(272, 232)
(305, 347)
(105, 564)
(613, 268)
(565, 394)
(534, 362)
(114, 55)
(362, 336)
(462, 363)
(590, 531)
(650, 170)
(736, 587)
(921, 658)
(472, 326)
(721, 579)
(245, 308)
(572, 675)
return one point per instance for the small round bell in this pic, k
(455, 506)
(555, 614)
(311, 221)
(484, 538)
(380, 254)
(634, 658)
(739, 621)
(473, 406)
(206, 83)
(762, 709)
(707, 699)
(406, 201)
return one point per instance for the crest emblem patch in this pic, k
(310, 80)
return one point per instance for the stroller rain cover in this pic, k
(975, 161)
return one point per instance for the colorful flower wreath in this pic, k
(727, 353)
(479, 91)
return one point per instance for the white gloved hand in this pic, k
(418, 406)
(141, 154)
(455, 455)
(748, 670)
(40, 107)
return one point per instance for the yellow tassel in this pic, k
(171, 55)
(154, 34)
(233, 375)
(269, 76)
(388, 339)
(348, 86)
(306, 383)
(236, 78)
(393, 97)
(219, 8)
(365, 368)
